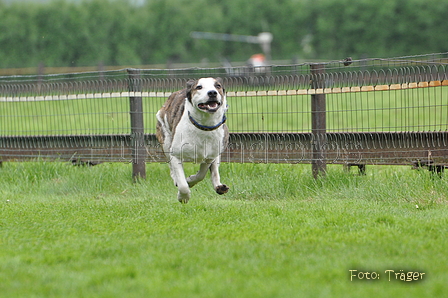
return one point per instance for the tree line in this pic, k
(125, 32)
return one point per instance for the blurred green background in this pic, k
(143, 32)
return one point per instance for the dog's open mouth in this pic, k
(209, 106)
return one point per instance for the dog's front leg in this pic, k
(216, 179)
(200, 175)
(178, 175)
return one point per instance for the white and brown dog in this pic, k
(191, 128)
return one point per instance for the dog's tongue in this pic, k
(211, 105)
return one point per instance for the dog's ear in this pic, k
(220, 81)
(190, 86)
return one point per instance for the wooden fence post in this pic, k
(137, 127)
(318, 120)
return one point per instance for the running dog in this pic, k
(190, 127)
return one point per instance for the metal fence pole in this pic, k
(137, 127)
(318, 120)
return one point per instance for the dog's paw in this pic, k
(183, 197)
(221, 189)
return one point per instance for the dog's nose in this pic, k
(212, 93)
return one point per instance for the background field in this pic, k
(70, 231)
(421, 109)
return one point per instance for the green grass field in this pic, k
(70, 231)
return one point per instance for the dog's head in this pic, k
(206, 94)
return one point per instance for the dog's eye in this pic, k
(218, 86)
(198, 87)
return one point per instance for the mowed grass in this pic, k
(69, 231)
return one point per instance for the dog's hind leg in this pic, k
(216, 179)
(178, 175)
(200, 175)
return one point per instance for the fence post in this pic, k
(318, 120)
(137, 127)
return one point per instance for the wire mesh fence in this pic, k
(375, 111)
